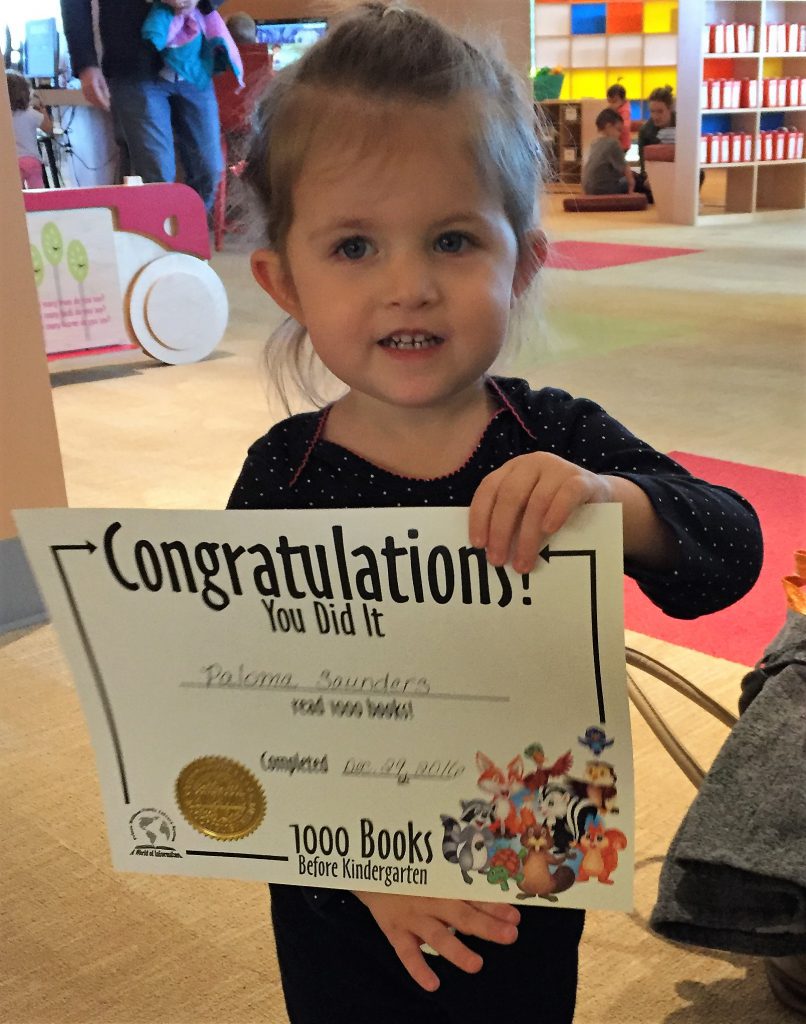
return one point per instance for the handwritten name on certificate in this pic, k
(351, 699)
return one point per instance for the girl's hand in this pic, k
(408, 921)
(516, 507)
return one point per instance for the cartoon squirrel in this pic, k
(600, 848)
(538, 879)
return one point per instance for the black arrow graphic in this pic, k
(547, 554)
(96, 672)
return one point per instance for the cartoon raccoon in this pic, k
(467, 842)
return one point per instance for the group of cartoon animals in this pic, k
(556, 818)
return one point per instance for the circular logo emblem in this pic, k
(152, 828)
(220, 798)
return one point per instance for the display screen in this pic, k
(41, 48)
(288, 40)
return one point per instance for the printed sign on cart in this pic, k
(75, 269)
(351, 699)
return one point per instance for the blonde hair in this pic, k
(375, 55)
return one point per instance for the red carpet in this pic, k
(739, 633)
(571, 255)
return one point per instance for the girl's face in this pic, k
(400, 262)
(661, 114)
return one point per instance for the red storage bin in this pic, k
(783, 92)
(747, 147)
(733, 88)
(791, 146)
(802, 102)
(715, 94)
(770, 92)
(704, 148)
(718, 38)
(736, 147)
(779, 144)
(705, 96)
(791, 33)
(766, 146)
(799, 141)
(713, 149)
(730, 38)
(793, 92)
(724, 148)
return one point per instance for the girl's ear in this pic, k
(274, 278)
(529, 263)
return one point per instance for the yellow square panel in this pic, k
(660, 16)
(773, 67)
(585, 84)
(565, 93)
(630, 78)
(657, 78)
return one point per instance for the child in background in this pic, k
(606, 172)
(28, 116)
(617, 101)
(397, 167)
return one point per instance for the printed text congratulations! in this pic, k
(397, 571)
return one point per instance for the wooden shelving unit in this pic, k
(562, 139)
(599, 43)
(752, 187)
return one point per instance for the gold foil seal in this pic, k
(220, 798)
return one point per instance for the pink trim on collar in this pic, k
(320, 426)
(510, 406)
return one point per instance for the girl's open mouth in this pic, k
(411, 341)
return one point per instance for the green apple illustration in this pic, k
(53, 247)
(52, 243)
(38, 265)
(78, 262)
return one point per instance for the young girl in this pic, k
(398, 168)
(617, 100)
(27, 118)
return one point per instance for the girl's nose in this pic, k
(411, 282)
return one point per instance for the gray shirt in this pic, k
(605, 167)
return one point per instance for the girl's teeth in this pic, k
(412, 341)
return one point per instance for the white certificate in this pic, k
(351, 699)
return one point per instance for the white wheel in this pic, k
(178, 308)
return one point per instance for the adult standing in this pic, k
(157, 112)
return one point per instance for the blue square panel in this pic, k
(588, 19)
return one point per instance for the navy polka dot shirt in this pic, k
(717, 531)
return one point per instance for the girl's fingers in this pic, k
(501, 911)
(454, 950)
(469, 921)
(407, 947)
(481, 506)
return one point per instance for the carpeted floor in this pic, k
(574, 255)
(739, 633)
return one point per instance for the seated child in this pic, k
(28, 116)
(617, 100)
(606, 172)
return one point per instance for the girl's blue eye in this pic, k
(353, 248)
(451, 242)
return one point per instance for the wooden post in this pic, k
(30, 462)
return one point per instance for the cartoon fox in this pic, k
(507, 820)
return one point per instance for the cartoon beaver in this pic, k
(600, 848)
(538, 879)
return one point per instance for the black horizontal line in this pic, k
(243, 856)
(352, 694)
